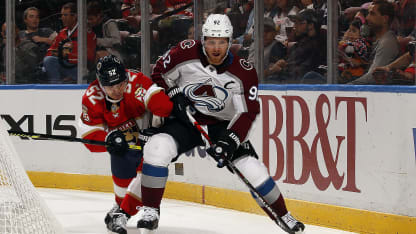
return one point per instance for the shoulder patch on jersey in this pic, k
(246, 64)
(140, 93)
(187, 44)
(85, 115)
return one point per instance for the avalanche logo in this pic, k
(246, 65)
(187, 44)
(206, 94)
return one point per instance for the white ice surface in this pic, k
(83, 212)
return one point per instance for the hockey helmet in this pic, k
(217, 25)
(110, 71)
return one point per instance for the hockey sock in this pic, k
(153, 184)
(130, 204)
(133, 199)
(272, 195)
(120, 188)
(279, 207)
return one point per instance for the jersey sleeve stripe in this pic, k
(86, 130)
(150, 92)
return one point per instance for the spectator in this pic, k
(106, 30)
(60, 63)
(307, 4)
(274, 50)
(270, 10)
(406, 12)
(354, 52)
(321, 8)
(385, 47)
(26, 58)
(158, 6)
(129, 7)
(404, 24)
(132, 7)
(245, 9)
(191, 32)
(131, 12)
(401, 70)
(352, 10)
(284, 24)
(238, 19)
(307, 54)
(361, 15)
(42, 37)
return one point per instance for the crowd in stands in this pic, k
(376, 38)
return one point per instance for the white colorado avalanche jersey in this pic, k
(228, 92)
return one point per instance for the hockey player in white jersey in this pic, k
(222, 89)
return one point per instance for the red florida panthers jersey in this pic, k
(141, 99)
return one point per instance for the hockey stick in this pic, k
(39, 136)
(278, 220)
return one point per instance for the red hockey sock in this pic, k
(130, 204)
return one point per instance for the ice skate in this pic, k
(296, 227)
(149, 218)
(108, 216)
(116, 221)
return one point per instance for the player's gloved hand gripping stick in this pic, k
(278, 220)
(39, 136)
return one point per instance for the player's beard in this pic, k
(216, 60)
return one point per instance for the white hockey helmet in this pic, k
(217, 25)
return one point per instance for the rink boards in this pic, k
(344, 156)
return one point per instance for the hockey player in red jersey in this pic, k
(116, 108)
(222, 89)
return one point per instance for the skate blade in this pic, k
(110, 232)
(300, 232)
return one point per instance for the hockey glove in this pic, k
(116, 143)
(224, 148)
(145, 134)
(180, 102)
